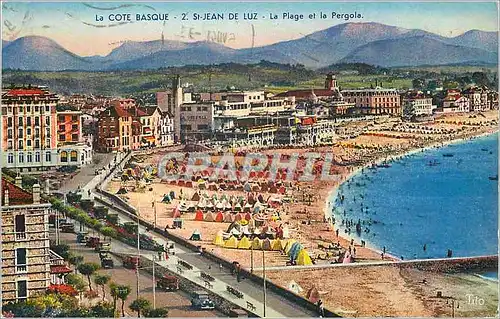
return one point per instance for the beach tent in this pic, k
(195, 235)
(276, 245)
(228, 218)
(219, 217)
(244, 243)
(219, 205)
(201, 204)
(294, 250)
(209, 217)
(232, 242)
(247, 187)
(285, 243)
(219, 241)
(238, 217)
(256, 243)
(266, 244)
(199, 216)
(303, 258)
(188, 184)
(248, 216)
(237, 207)
(210, 206)
(227, 206)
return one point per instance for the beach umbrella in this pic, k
(266, 244)
(228, 218)
(276, 244)
(199, 216)
(209, 217)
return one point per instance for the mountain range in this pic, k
(371, 43)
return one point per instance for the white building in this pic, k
(417, 104)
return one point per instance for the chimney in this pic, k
(19, 181)
(36, 194)
(6, 197)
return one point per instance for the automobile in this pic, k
(102, 247)
(67, 228)
(201, 301)
(169, 283)
(92, 242)
(82, 237)
(107, 262)
(130, 262)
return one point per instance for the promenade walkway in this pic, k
(277, 306)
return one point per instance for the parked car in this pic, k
(107, 262)
(201, 301)
(169, 283)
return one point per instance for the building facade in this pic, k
(455, 102)
(377, 101)
(417, 104)
(73, 149)
(26, 270)
(29, 130)
(114, 129)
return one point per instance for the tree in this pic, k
(62, 250)
(140, 304)
(75, 260)
(156, 313)
(114, 293)
(102, 310)
(122, 293)
(88, 269)
(77, 282)
(102, 280)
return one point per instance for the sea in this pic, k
(424, 204)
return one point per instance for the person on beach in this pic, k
(384, 249)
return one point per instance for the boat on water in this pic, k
(493, 178)
(384, 165)
(447, 155)
(433, 163)
(484, 149)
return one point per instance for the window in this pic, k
(9, 144)
(20, 120)
(21, 257)
(20, 145)
(36, 108)
(37, 157)
(74, 118)
(61, 118)
(28, 143)
(28, 131)
(20, 224)
(47, 132)
(205, 108)
(62, 127)
(74, 127)
(28, 121)
(21, 158)
(202, 127)
(10, 158)
(74, 137)
(28, 108)
(22, 289)
(29, 158)
(47, 120)
(37, 143)
(20, 135)
(198, 108)
(74, 156)
(47, 108)
(62, 137)
(64, 156)
(9, 122)
(37, 120)
(9, 133)
(37, 132)
(48, 157)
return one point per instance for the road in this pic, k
(177, 302)
(277, 306)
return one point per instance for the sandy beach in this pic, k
(380, 291)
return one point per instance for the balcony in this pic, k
(20, 235)
(21, 268)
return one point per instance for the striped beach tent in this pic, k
(276, 244)
(228, 218)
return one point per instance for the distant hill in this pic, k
(41, 54)
(420, 50)
(372, 43)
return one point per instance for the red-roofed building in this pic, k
(114, 128)
(29, 129)
(455, 102)
(25, 242)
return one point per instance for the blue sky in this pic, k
(73, 25)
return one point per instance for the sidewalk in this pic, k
(277, 306)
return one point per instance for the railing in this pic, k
(21, 268)
(234, 292)
(185, 264)
(20, 235)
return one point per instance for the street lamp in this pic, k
(264, 276)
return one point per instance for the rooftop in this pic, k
(17, 195)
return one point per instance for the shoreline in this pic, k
(332, 195)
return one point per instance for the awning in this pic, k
(150, 138)
(59, 269)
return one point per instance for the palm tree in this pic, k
(88, 269)
(139, 305)
(77, 282)
(122, 292)
(114, 294)
(157, 313)
(102, 280)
